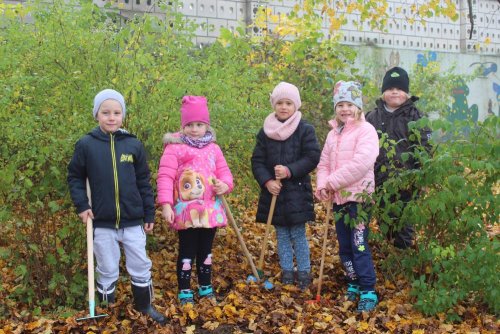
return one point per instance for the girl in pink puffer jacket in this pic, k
(191, 174)
(345, 176)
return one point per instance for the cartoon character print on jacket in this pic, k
(195, 207)
(191, 205)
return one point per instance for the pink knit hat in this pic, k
(285, 90)
(194, 109)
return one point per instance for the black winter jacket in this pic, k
(118, 174)
(300, 153)
(395, 125)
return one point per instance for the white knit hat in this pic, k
(108, 94)
(285, 90)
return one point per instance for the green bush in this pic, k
(454, 258)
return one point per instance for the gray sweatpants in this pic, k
(107, 253)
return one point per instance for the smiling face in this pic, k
(284, 109)
(345, 111)
(110, 116)
(195, 130)
(394, 97)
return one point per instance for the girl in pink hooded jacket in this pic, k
(345, 176)
(191, 174)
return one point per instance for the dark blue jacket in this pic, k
(300, 153)
(395, 125)
(118, 173)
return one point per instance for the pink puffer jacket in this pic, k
(184, 181)
(347, 160)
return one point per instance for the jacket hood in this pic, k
(98, 134)
(175, 137)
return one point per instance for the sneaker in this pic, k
(186, 297)
(304, 279)
(367, 301)
(352, 292)
(206, 291)
(287, 277)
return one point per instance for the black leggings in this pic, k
(195, 243)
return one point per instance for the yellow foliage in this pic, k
(335, 23)
(352, 7)
(363, 326)
(230, 310)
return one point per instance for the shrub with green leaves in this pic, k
(454, 258)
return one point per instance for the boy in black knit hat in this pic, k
(394, 110)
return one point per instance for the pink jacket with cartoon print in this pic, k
(346, 164)
(184, 181)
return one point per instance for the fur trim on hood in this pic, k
(175, 137)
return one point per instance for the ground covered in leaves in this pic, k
(243, 307)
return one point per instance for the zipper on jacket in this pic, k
(115, 177)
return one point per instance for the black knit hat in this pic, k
(396, 77)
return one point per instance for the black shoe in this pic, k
(287, 277)
(142, 302)
(304, 279)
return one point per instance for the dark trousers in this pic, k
(402, 234)
(354, 251)
(195, 243)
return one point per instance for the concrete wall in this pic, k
(477, 99)
(404, 44)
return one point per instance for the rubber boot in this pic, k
(142, 302)
(106, 296)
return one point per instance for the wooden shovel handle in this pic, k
(323, 249)
(266, 236)
(233, 224)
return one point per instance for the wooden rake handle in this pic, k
(90, 258)
(323, 249)
(266, 236)
(233, 224)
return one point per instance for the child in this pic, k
(394, 111)
(114, 162)
(345, 175)
(192, 172)
(286, 151)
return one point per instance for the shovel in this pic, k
(240, 237)
(323, 254)
(260, 268)
(90, 268)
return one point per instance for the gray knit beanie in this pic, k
(108, 94)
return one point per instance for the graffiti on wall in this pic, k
(489, 70)
(460, 109)
(424, 59)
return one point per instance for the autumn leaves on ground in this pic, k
(248, 308)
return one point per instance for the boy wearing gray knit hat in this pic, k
(114, 163)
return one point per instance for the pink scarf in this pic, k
(281, 131)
